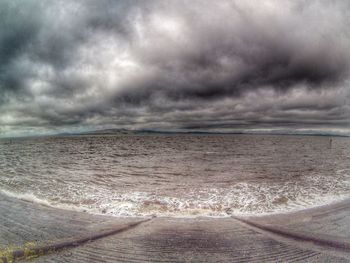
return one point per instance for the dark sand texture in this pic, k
(46, 234)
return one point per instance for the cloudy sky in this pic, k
(78, 65)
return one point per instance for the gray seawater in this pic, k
(177, 175)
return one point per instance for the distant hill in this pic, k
(142, 131)
(148, 131)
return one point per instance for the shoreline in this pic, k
(31, 198)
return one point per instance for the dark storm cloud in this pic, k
(19, 25)
(174, 65)
(228, 59)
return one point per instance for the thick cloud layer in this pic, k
(204, 65)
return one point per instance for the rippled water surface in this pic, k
(177, 175)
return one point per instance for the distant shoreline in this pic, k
(151, 132)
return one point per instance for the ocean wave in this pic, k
(244, 199)
(32, 198)
(29, 197)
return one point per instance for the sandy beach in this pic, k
(45, 234)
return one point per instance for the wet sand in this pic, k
(44, 234)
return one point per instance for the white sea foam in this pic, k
(32, 198)
(241, 199)
(29, 197)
